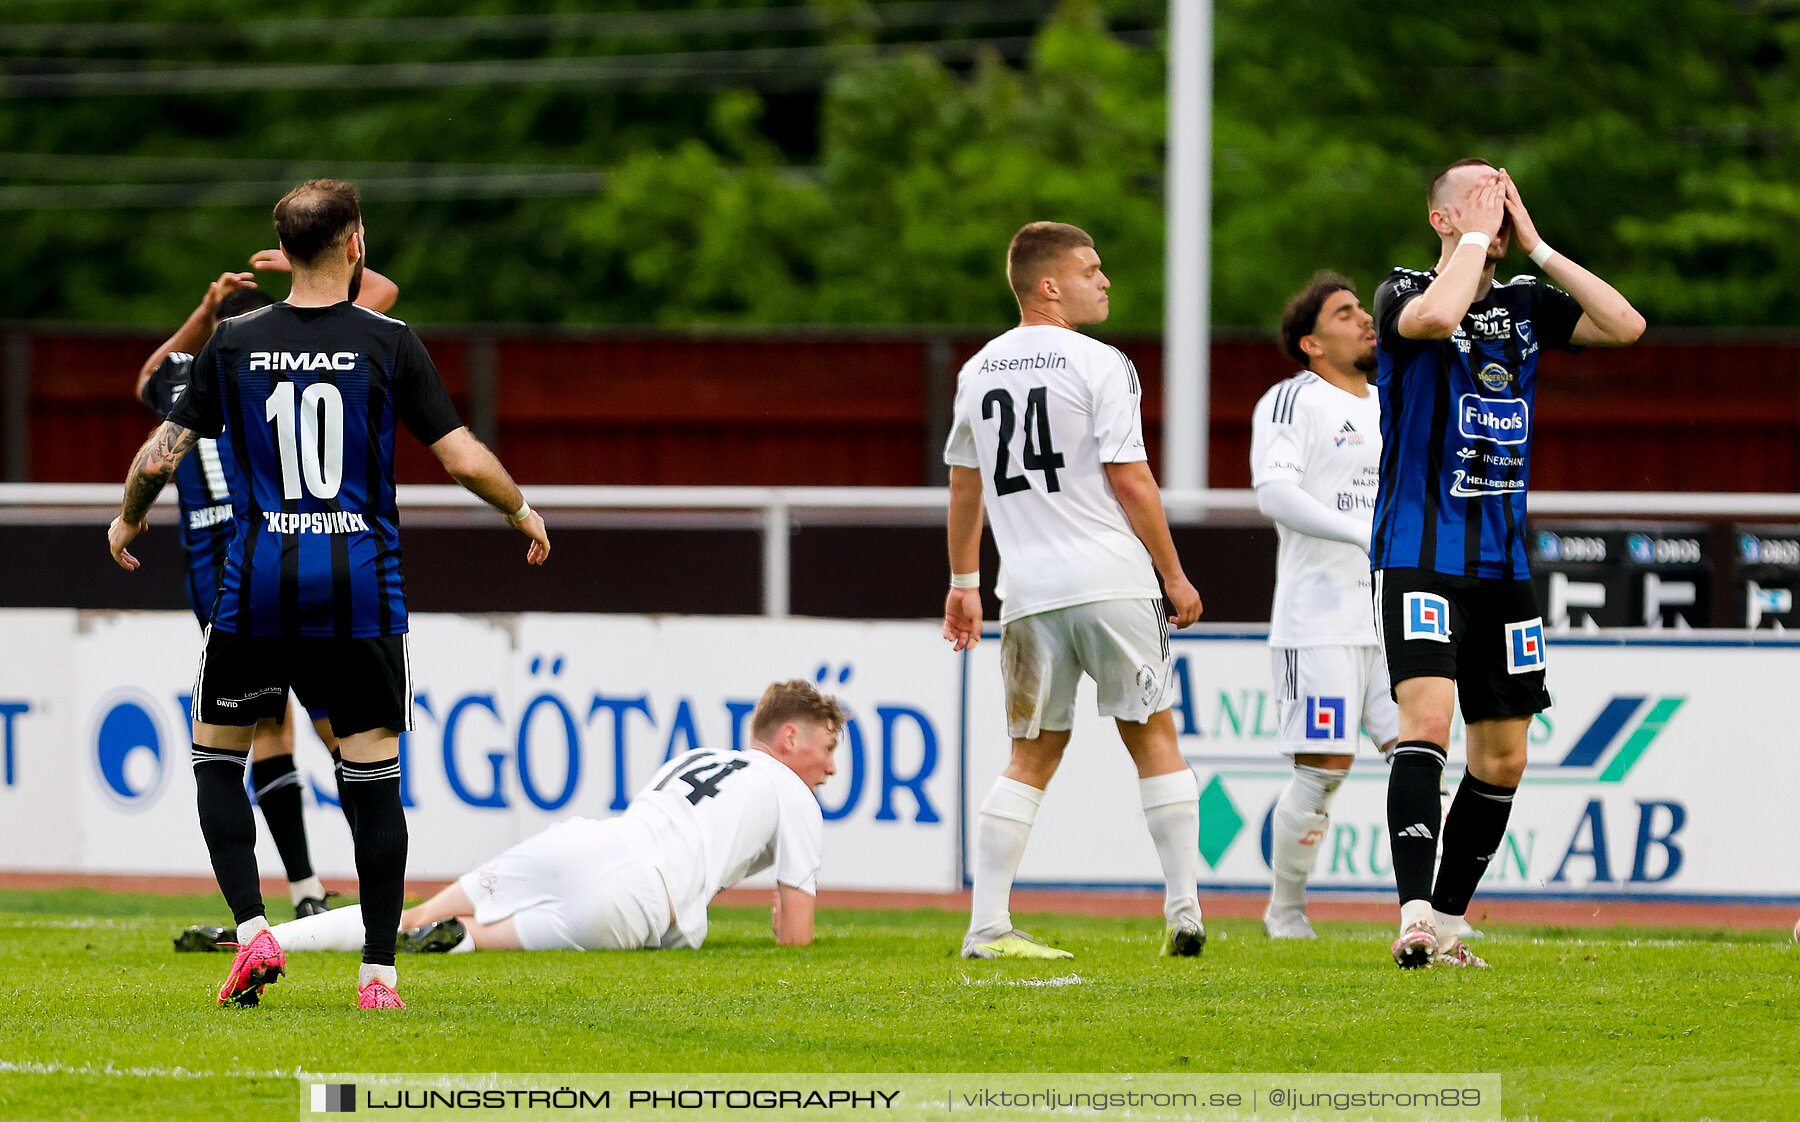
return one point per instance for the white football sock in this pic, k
(465, 946)
(1412, 911)
(340, 929)
(303, 889)
(1000, 836)
(247, 930)
(373, 973)
(1172, 811)
(1302, 815)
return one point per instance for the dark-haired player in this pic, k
(1315, 447)
(1457, 376)
(309, 393)
(203, 486)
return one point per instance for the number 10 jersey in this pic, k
(1039, 412)
(309, 399)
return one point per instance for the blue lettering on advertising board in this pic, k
(490, 757)
(1589, 842)
(8, 758)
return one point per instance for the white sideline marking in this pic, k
(1657, 944)
(27, 1067)
(1065, 980)
(78, 924)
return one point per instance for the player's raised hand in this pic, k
(272, 260)
(118, 536)
(1521, 218)
(532, 526)
(1184, 598)
(1482, 210)
(962, 618)
(227, 282)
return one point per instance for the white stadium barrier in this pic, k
(1663, 768)
(776, 509)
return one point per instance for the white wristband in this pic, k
(1542, 254)
(521, 514)
(966, 580)
(1476, 237)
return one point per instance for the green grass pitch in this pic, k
(102, 1020)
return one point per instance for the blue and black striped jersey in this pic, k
(1456, 417)
(309, 400)
(203, 488)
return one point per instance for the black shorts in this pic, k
(1488, 635)
(360, 684)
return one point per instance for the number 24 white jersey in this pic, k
(1039, 411)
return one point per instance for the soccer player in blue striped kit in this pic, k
(1457, 358)
(203, 485)
(310, 392)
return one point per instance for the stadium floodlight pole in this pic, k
(1188, 247)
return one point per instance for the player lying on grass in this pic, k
(708, 819)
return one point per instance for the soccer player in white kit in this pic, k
(1315, 451)
(707, 819)
(1047, 438)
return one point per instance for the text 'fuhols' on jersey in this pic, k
(1326, 441)
(308, 400)
(1039, 411)
(1456, 418)
(202, 486)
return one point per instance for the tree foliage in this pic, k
(1655, 142)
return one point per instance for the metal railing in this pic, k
(777, 510)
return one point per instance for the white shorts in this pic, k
(1123, 645)
(1323, 695)
(582, 885)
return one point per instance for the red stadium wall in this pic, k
(870, 409)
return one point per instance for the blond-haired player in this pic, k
(1048, 440)
(706, 820)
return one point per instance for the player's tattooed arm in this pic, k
(155, 462)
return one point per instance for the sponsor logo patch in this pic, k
(1525, 646)
(1494, 376)
(1427, 617)
(1324, 718)
(1466, 486)
(1498, 420)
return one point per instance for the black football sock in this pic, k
(371, 793)
(337, 770)
(1472, 835)
(277, 787)
(1414, 811)
(229, 827)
